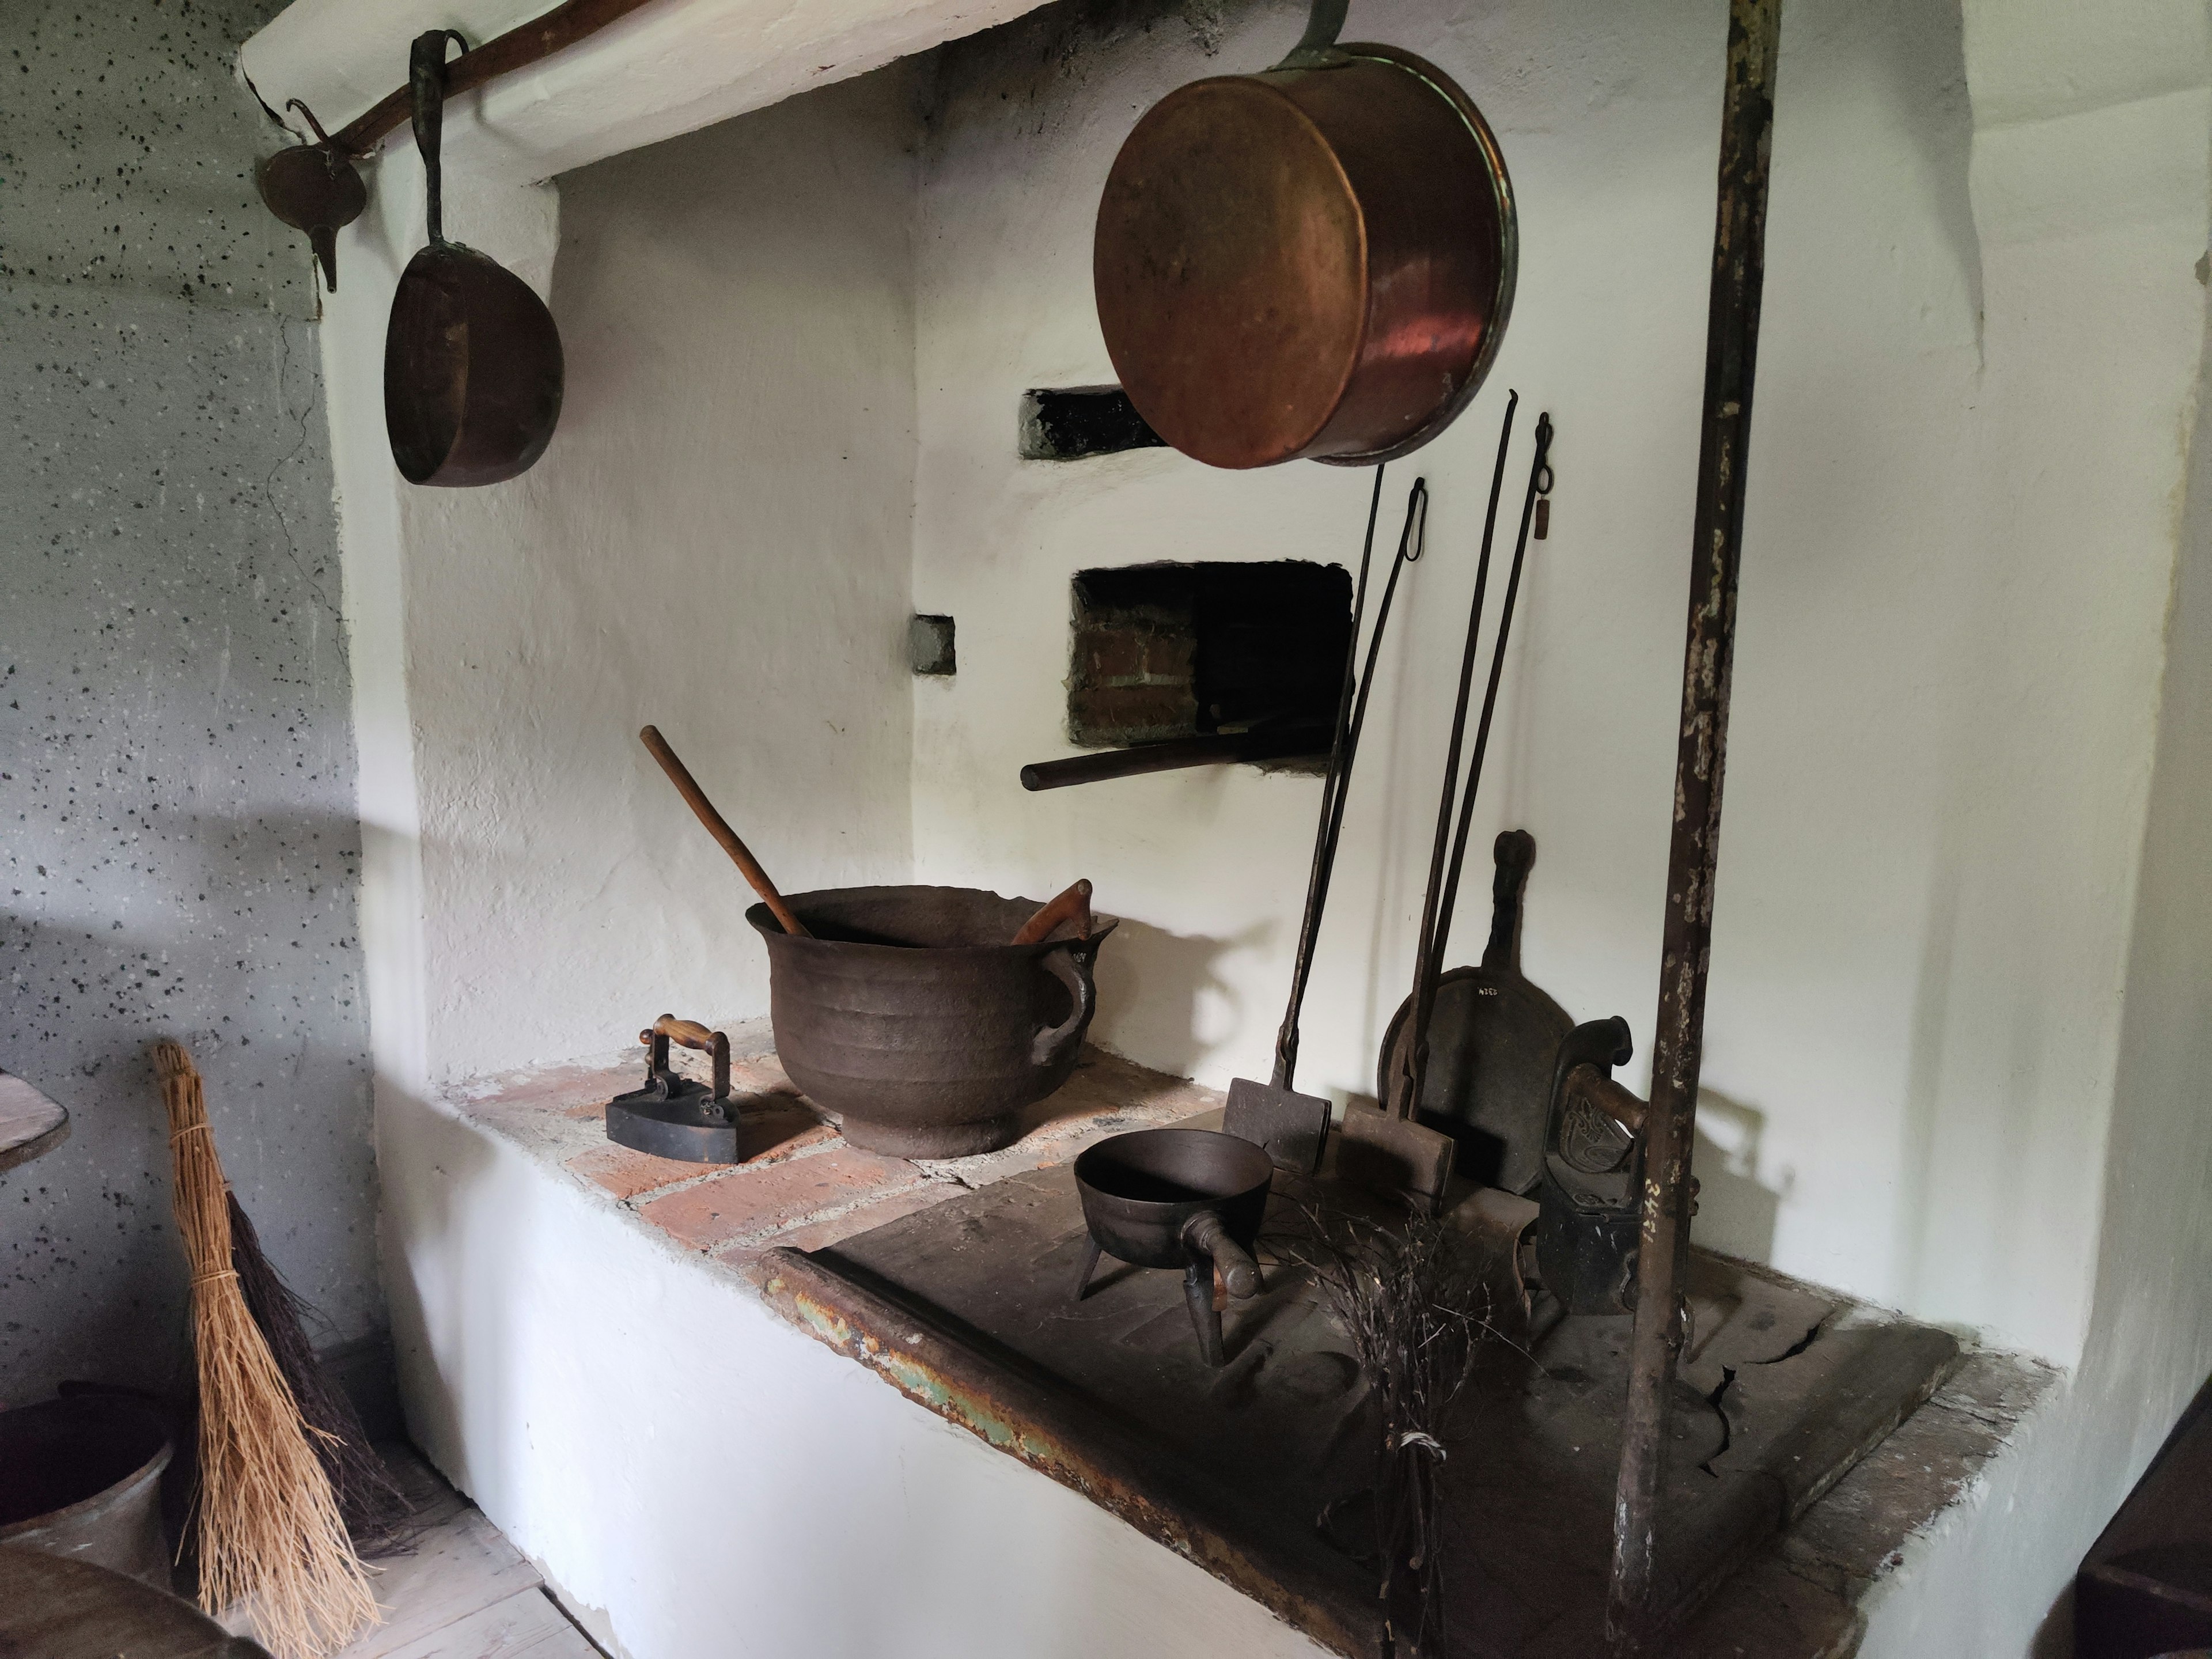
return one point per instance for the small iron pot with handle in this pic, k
(909, 1015)
(1193, 1199)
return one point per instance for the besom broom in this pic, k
(270, 1534)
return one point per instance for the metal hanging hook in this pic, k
(301, 105)
(1316, 47)
(1413, 541)
(426, 78)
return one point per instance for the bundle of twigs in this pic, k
(369, 1500)
(1416, 1314)
(270, 1531)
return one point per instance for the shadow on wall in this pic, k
(1153, 985)
(1736, 1214)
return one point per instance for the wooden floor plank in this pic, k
(527, 1624)
(458, 1568)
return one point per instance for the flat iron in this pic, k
(672, 1116)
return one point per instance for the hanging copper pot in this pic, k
(473, 370)
(1316, 262)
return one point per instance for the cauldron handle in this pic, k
(1051, 1044)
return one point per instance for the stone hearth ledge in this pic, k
(804, 1188)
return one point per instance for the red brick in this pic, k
(851, 1225)
(759, 1074)
(750, 1202)
(626, 1173)
(773, 1128)
(1104, 654)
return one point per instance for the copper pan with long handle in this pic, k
(472, 367)
(1316, 262)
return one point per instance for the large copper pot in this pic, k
(1316, 262)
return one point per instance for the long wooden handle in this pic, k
(695, 798)
(1072, 905)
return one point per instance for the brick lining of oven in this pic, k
(1163, 650)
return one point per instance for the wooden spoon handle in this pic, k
(1073, 904)
(718, 827)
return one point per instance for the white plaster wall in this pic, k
(1974, 379)
(717, 542)
(719, 1484)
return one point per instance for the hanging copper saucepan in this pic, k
(471, 359)
(1313, 262)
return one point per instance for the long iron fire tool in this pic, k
(1291, 1126)
(1444, 875)
(1389, 1148)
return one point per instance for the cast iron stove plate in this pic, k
(964, 1307)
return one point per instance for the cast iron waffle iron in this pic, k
(673, 1116)
(1493, 1040)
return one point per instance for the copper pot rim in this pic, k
(763, 922)
(1508, 250)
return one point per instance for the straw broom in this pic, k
(270, 1531)
(374, 1510)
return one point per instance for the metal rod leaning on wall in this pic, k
(1636, 1613)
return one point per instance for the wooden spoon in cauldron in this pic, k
(718, 827)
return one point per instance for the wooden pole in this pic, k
(1638, 1609)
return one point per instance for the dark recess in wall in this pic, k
(1165, 650)
(1075, 422)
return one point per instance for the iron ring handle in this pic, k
(1050, 1045)
(1205, 1235)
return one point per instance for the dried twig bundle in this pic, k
(369, 1500)
(1416, 1313)
(270, 1531)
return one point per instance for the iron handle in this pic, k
(1587, 1082)
(692, 1034)
(1204, 1234)
(426, 80)
(1050, 1045)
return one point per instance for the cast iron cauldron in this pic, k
(909, 1013)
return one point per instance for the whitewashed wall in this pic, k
(716, 542)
